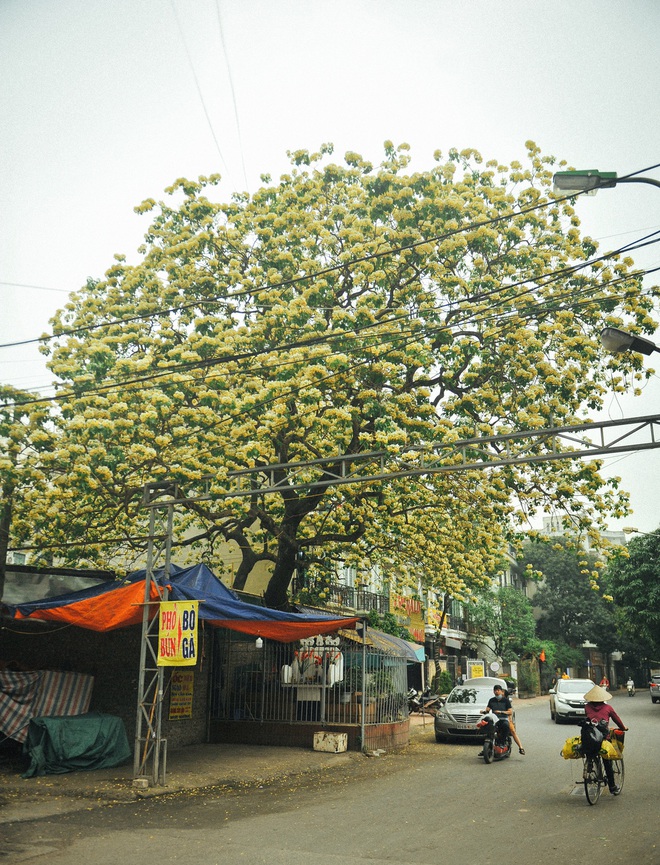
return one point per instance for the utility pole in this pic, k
(150, 746)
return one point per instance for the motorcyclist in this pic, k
(598, 712)
(500, 705)
(630, 685)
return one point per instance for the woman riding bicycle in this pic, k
(599, 713)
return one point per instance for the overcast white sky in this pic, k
(103, 104)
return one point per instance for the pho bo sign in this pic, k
(177, 634)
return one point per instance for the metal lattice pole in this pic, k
(150, 756)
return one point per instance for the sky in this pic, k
(104, 104)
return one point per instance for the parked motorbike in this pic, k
(497, 739)
(424, 701)
(414, 703)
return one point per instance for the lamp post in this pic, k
(617, 341)
(590, 180)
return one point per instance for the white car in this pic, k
(654, 689)
(458, 717)
(567, 699)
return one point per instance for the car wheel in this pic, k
(552, 714)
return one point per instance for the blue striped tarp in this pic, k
(39, 693)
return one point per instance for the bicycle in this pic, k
(594, 778)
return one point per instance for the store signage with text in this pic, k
(177, 634)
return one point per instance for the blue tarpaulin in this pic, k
(119, 603)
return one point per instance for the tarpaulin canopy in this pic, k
(118, 604)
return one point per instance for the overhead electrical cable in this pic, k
(317, 340)
(197, 85)
(324, 271)
(535, 280)
(262, 404)
(252, 292)
(230, 78)
(38, 287)
(533, 313)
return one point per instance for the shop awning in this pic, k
(412, 652)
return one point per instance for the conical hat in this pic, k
(597, 695)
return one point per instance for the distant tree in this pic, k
(633, 577)
(505, 620)
(574, 607)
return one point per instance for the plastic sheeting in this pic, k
(25, 695)
(118, 604)
(80, 742)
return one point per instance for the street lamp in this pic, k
(617, 341)
(590, 180)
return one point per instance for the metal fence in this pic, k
(326, 680)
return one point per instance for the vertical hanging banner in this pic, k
(177, 634)
(181, 694)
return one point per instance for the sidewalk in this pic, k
(188, 768)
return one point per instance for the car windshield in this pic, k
(469, 695)
(575, 687)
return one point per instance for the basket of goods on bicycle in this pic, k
(600, 747)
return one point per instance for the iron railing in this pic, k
(325, 680)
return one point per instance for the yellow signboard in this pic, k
(181, 694)
(177, 634)
(475, 669)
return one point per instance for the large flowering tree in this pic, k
(343, 310)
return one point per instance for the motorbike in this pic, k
(414, 703)
(631, 690)
(497, 738)
(424, 701)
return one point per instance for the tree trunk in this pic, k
(277, 593)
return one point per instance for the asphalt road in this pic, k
(433, 804)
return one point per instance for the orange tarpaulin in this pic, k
(285, 632)
(113, 609)
(117, 604)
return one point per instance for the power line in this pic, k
(298, 279)
(258, 407)
(197, 85)
(233, 93)
(327, 339)
(38, 287)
